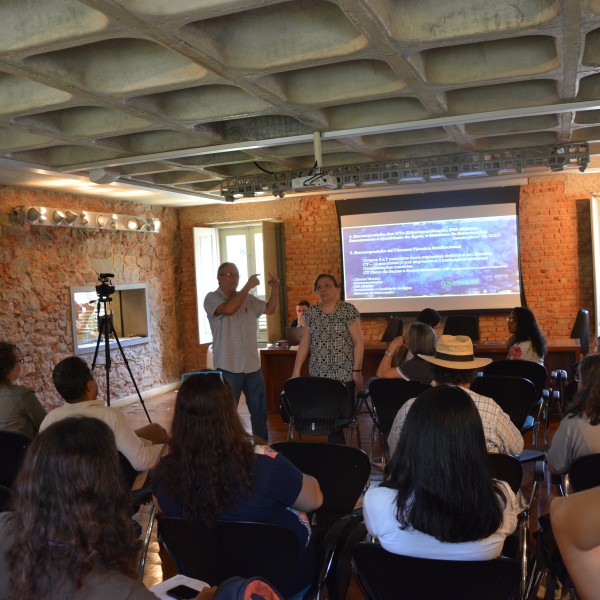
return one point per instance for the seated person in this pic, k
(70, 533)
(421, 340)
(579, 432)
(301, 308)
(429, 316)
(20, 409)
(438, 500)
(576, 528)
(215, 471)
(74, 381)
(526, 341)
(455, 364)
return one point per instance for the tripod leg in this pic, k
(130, 373)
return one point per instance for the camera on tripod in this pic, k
(105, 289)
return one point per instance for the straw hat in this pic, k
(456, 352)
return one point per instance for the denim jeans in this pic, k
(253, 386)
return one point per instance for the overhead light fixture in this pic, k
(84, 219)
(70, 217)
(58, 216)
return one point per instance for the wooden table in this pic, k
(277, 364)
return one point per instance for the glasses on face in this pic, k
(206, 373)
(229, 275)
(510, 319)
(20, 359)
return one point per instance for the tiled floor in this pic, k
(160, 408)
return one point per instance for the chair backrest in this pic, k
(516, 396)
(506, 468)
(5, 496)
(526, 369)
(394, 329)
(13, 446)
(342, 473)
(387, 576)
(246, 549)
(585, 472)
(462, 325)
(581, 330)
(314, 404)
(388, 396)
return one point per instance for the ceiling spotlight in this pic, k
(33, 214)
(157, 224)
(70, 217)
(84, 220)
(134, 224)
(58, 216)
(102, 221)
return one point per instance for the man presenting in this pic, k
(232, 315)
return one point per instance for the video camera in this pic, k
(105, 289)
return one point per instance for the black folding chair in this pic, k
(13, 446)
(246, 549)
(315, 406)
(516, 396)
(387, 576)
(537, 374)
(387, 398)
(342, 472)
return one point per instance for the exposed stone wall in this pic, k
(39, 264)
(555, 243)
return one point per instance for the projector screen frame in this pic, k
(427, 202)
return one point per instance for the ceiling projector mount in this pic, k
(450, 167)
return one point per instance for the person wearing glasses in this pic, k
(214, 470)
(526, 341)
(232, 315)
(20, 409)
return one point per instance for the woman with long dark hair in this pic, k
(579, 432)
(438, 500)
(215, 471)
(70, 535)
(526, 341)
(20, 409)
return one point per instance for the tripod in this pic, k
(106, 328)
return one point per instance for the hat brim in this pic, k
(459, 365)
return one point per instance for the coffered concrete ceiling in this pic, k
(173, 96)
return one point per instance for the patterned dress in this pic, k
(331, 346)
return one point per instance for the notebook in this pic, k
(293, 335)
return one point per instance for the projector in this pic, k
(315, 182)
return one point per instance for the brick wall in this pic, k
(39, 264)
(555, 252)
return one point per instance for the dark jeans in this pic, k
(253, 386)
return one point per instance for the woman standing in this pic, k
(20, 410)
(334, 339)
(579, 432)
(420, 510)
(526, 341)
(215, 471)
(70, 535)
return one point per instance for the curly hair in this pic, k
(587, 399)
(8, 359)
(454, 376)
(211, 459)
(528, 330)
(71, 511)
(442, 442)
